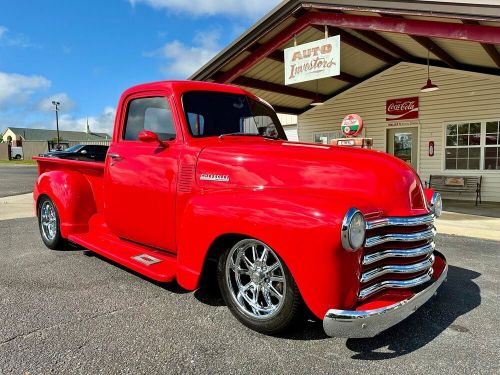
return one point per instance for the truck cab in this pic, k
(200, 183)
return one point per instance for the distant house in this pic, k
(17, 135)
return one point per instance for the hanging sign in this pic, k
(351, 125)
(314, 60)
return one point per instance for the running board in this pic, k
(155, 265)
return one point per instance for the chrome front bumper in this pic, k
(368, 323)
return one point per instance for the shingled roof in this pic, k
(29, 134)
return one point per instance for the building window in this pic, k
(472, 146)
(492, 147)
(463, 146)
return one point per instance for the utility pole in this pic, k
(56, 105)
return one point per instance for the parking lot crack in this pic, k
(93, 317)
(25, 335)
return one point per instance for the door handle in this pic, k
(115, 156)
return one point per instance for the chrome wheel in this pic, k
(256, 279)
(48, 221)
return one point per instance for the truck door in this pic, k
(140, 181)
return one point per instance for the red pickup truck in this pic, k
(200, 183)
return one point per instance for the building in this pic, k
(289, 123)
(388, 51)
(18, 135)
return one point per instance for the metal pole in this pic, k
(56, 104)
(57, 125)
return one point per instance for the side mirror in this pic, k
(83, 152)
(149, 136)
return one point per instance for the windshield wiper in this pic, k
(247, 135)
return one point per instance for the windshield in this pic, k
(74, 148)
(211, 114)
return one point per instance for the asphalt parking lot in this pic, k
(17, 179)
(73, 312)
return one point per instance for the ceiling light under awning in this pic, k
(429, 86)
(317, 101)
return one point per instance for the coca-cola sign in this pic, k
(401, 109)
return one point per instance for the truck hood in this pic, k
(366, 179)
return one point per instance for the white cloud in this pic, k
(247, 9)
(67, 104)
(102, 123)
(18, 88)
(15, 40)
(183, 60)
(20, 106)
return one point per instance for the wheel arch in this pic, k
(208, 272)
(72, 194)
(301, 230)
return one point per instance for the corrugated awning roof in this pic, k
(375, 35)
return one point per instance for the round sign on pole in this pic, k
(352, 125)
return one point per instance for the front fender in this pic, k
(72, 194)
(303, 230)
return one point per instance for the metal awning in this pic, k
(375, 35)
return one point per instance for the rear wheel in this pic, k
(18, 157)
(258, 288)
(49, 224)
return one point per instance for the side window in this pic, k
(151, 114)
(196, 123)
(264, 125)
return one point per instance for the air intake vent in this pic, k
(186, 177)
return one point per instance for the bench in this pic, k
(457, 184)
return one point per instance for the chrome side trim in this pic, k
(407, 268)
(398, 253)
(400, 221)
(401, 237)
(369, 323)
(366, 292)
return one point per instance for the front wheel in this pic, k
(49, 224)
(258, 288)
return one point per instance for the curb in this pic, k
(16, 207)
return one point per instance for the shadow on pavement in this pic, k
(209, 293)
(171, 287)
(456, 297)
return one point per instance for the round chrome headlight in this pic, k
(353, 230)
(436, 204)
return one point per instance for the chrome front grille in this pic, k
(398, 253)
(425, 235)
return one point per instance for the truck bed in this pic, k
(45, 163)
(92, 172)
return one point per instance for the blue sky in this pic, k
(85, 53)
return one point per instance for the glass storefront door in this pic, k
(403, 144)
